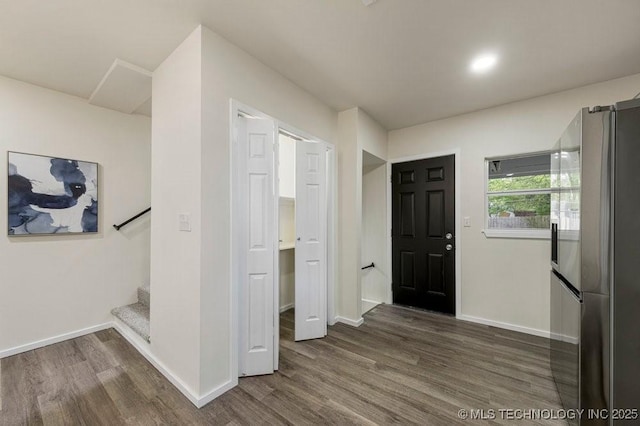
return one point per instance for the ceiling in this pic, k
(403, 61)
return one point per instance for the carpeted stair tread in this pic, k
(136, 316)
(144, 295)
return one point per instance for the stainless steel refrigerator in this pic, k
(595, 258)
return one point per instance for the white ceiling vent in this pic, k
(125, 88)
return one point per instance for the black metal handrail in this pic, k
(126, 222)
(369, 266)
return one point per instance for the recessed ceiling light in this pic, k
(483, 63)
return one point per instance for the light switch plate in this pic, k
(467, 222)
(184, 222)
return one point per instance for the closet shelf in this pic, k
(287, 245)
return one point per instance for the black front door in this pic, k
(423, 233)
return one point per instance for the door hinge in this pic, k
(599, 108)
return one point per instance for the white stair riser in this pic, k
(144, 296)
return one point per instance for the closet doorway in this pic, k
(287, 220)
(283, 235)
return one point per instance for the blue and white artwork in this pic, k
(51, 195)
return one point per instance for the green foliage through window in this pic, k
(520, 205)
(519, 211)
(518, 183)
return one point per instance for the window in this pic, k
(518, 196)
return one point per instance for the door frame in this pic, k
(237, 108)
(457, 220)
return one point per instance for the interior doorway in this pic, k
(374, 276)
(424, 233)
(283, 235)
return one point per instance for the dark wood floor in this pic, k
(401, 366)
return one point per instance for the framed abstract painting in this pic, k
(50, 195)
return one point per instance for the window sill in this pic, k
(529, 234)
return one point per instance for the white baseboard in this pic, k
(144, 348)
(52, 340)
(286, 307)
(565, 338)
(349, 321)
(505, 325)
(214, 393)
(141, 346)
(368, 304)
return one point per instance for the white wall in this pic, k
(176, 189)
(53, 285)
(230, 73)
(504, 280)
(372, 137)
(357, 132)
(349, 213)
(192, 320)
(287, 169)
(375, 281)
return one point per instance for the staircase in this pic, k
(136, 315)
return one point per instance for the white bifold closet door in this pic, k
(256, 138)
(311, 241)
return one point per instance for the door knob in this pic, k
(449, 247)
(448, 236)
